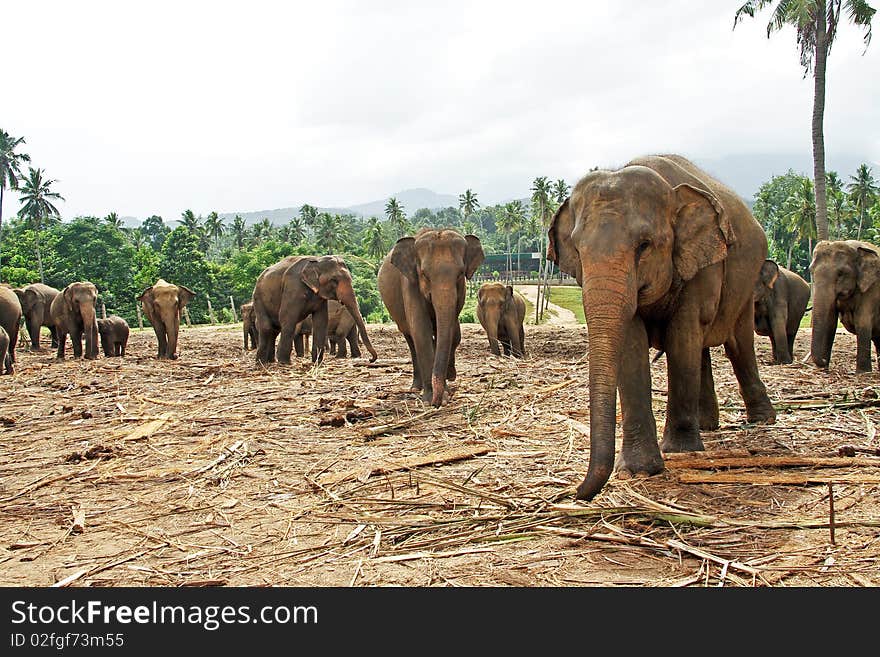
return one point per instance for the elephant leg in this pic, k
(162, 339)
(53, 331)
(781, 351)
(456, 340)
(266, 344)
(298, 345)
(33, 329)
(684, 348)
(424, 346)
(62, 340)
(319, 333)
(353, 343)
(876, 342)
(639, 453)
(341, 348)
(76, 336)
(285, 344)
(791, 336)
(522, 342)
(708, 400)
(740, 350)
(417, 379)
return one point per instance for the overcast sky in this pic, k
(156, 107)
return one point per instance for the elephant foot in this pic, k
(681, 441)
(709, 421)
(639, 463)
(283, 361)
(763, 413)
(451, 374)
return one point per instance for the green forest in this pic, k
(220, 260)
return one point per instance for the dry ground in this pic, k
(209, 471)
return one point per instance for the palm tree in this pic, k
(189, 219)
(309, 215)
(800, 212)
(296, 230)
(862, 192)
(396, 217)
(113, 219)
(36, 205)
(10, 172)
(238, 231)
(214, 228)
(330, 235)
(560, 190)
(508, 221)
(816, 24)
(263, 230)
(138, 238)
(374, 239)
(468, 204)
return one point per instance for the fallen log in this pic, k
(696, 461)
(770, 478)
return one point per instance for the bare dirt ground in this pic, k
(209, 471)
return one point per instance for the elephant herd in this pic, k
(666, 256)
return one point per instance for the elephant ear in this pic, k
(403, 256)
(560, 248)
(184, 296)
(310, 275)
(869, 268)
(473, 255)
(508, 294)
(702, 231)
(769, 273)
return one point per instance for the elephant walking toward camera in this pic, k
(781, 299)
(113, 331)
(36, 302)
(163, 304)
(422, 284)
(341, 329)
(287, 292)
(501, 311)
(846, 285)
(248, 325)
(667, 257)
(73, 313)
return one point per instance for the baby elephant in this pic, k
(501, 311)
(114, 335)
(781, 298)
(6, 363)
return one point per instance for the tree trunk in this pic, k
(788, 262)
(1, 234)
(39, 259)
(818, 118)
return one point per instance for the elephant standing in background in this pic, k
(36, 301)
(341, 329)
(846, 285)
(73, 312)
(163, 303)
(5, 360)
(10, 319)
(501, 311)
(781, 299)
(667, 257)
(248, 326)
(114, 335)
(422, 284)
(287, 292)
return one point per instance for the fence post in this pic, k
(186, 316)
(140, 317)
(211, 311)
(232, 306)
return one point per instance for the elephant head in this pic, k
(329, 278)
(766, 281)
(27, 297)
(81, 298)
(496, 305)
(631, 240)
(843, 274)
(439, 262)
(163, 304)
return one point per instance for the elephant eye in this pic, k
(640, 249)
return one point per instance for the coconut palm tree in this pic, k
(468, 205)
(296, 230)
(239, 229)
(799, 211)
(36, 199)
(113, 219)
(862, 193)
(10, 172)
(214, 227)
(189, 219)
(330, 234)
(509, 221)
(396, 217)
(560, 190)
(374, 239)
(309, 215)
(816, 24)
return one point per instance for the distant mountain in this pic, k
(410, 199)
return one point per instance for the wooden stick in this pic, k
(435, 458)
(387, 428)
(697, 461)
(831, 511)
(765, 478)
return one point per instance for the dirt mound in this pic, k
(211, 471)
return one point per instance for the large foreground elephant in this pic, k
(846, 285)
(287, 292)
(163, 304)
(422, 284)
(36, 301)
(781, 298)
(10, 318)
(73, 313)
(501, 311)
(667, 257)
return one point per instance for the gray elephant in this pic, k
(36, 302)
(287, 292)
(248, 327)
(501, 311)
(73, 313)
(341, 329)
(781, 299)
(667, 257)
(114, 335)
(10, 319)
(422, 284)
(846, 285)
(5, 359)
(163, 304)
(302, 333)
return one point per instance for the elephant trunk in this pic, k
(609, 304)
(90, 329)
(345, 295)
(492, 318)
(511, 325)
(446, 313)
(824, 326)
(171, 320)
